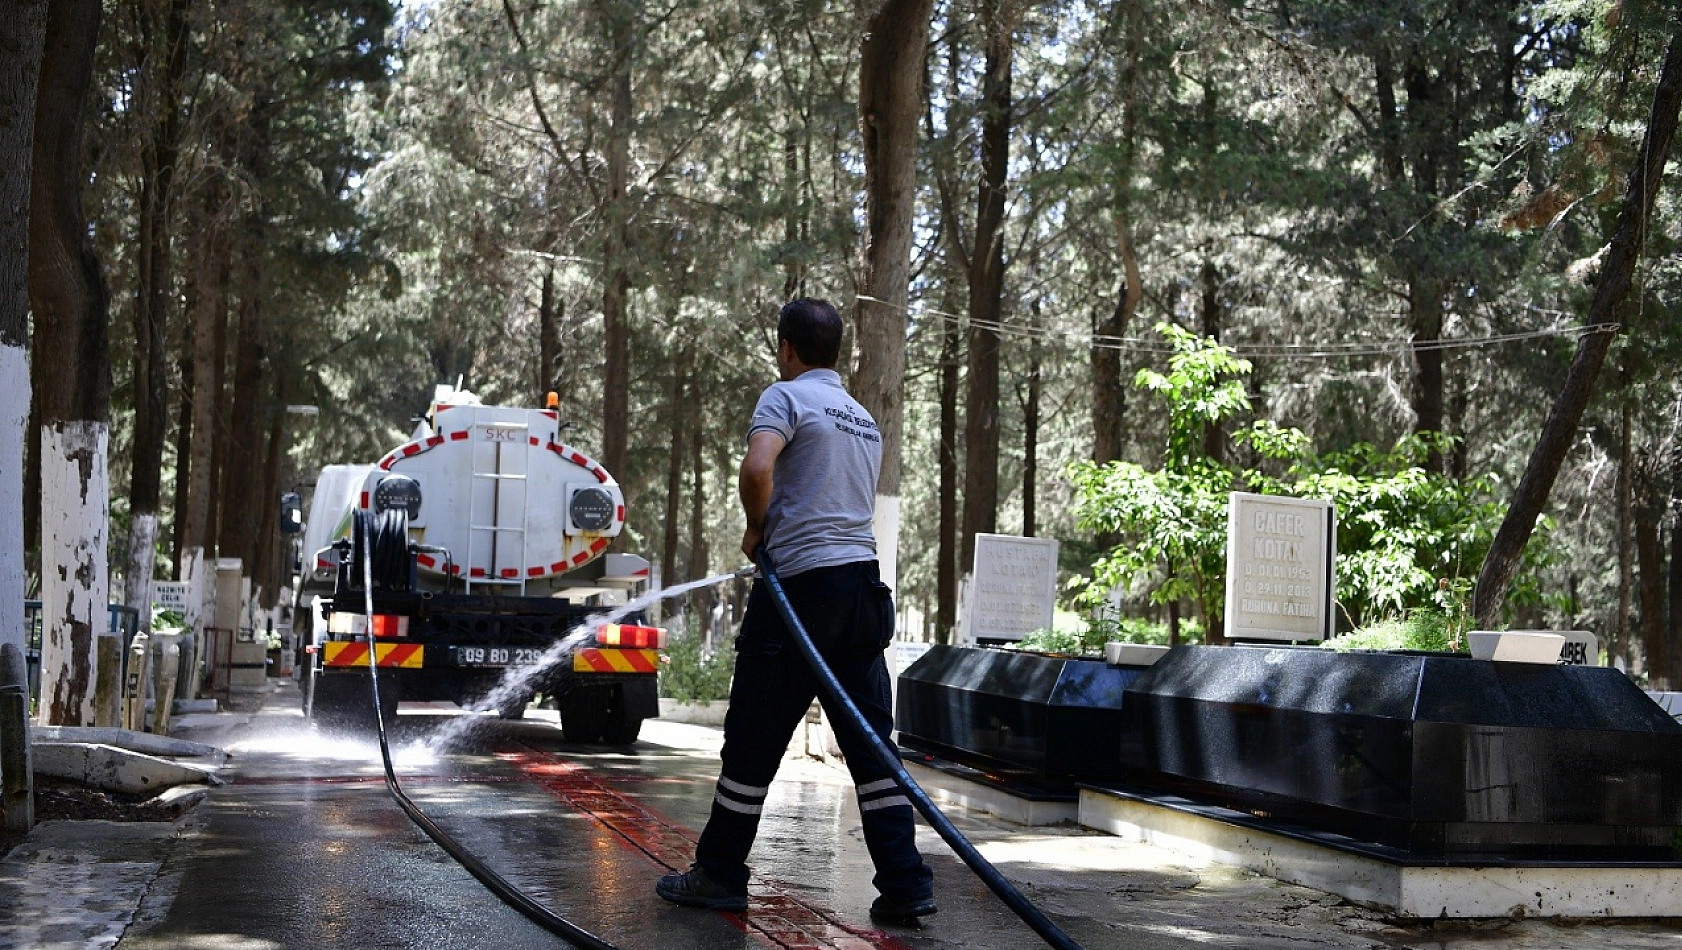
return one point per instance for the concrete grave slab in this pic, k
(111, 769)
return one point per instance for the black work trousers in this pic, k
(849, 614)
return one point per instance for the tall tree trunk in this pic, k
(548, 336)
(238, 518)
(1610, 293)
(986, 285)
(266, 544)
(165, 61)
(1623, 640)
(1209, 325)
(68, 295)
(890, 101)
(698, 553)
(621, 18)
(1673, 625)
(22, 31)
(1649, 559)
(183, 452)
(1031, 412)
(210, 330)
(946, 552)
(678, 415)
(1109, 390)
(1031, 441)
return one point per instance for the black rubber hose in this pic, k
(511, 895)
(833, 693)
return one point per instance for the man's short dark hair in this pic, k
(814, 328)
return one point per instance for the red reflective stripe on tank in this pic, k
(641, 660)
(455, 568)
(621, 515)
(385, 463)
(534, 572)
(579, 460)
(557, 567)
(601, 474)
(457, 436)
(598, 544)
(435, 440)
(364, 503)
(477, 572)
(510, 572)
(413, 448)
(425, 560)
(551, 413)
(580, 557)
(534, 440)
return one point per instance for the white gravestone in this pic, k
(1013, 591)
(170, 595)
(1581, 648)
(1279, 556)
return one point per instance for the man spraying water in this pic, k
(808, 488)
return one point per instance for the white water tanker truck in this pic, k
(488, 545)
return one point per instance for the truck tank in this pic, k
(507, 530)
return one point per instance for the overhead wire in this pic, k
(1316, 351)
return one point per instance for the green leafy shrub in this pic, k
(1408, 538)
(1061, 642)
(1423, 629)
(693, 675)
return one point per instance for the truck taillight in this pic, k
(385, 625)
(627, 635)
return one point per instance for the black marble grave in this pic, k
(1432, 753)
(1026, 720)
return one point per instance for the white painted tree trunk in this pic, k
(886, 529)
(75, 587)
(14, 421)
(142, 552)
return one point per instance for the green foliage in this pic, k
(1061, 642)
(1107, 625)
(1425, 629)
(1174, 517)
(1409, 538)
(168, 621)
(694, 675)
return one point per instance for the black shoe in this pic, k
(693, 888)
(903, 911)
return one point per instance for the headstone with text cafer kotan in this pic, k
(1279, 568)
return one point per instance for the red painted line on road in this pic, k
(774, 915)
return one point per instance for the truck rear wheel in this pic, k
(622, 728)
(598, 715)
(584, 714)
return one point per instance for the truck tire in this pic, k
(584, 712)
(621, 728)
(513, 709)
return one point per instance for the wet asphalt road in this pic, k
(306, 849)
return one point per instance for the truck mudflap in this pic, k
(611, 660)
(408, 656)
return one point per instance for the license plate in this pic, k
(497, 656)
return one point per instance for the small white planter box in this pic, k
(1117, 653)
(1511, 646)
(697, 714)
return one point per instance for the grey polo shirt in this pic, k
(823, 487)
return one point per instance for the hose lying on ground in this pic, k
(387, 537)
(836, 698)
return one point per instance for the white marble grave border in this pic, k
(1577, 890)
